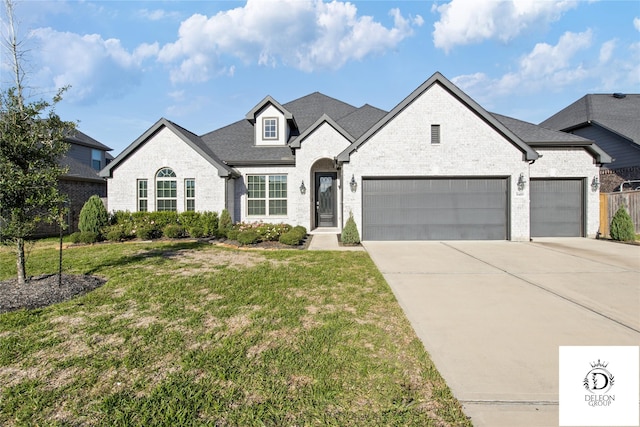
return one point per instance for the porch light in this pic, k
(303, 189)
(595, 184)
(521, 182)
(353, 184)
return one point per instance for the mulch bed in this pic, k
(42, 291)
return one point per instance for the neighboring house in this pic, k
(613, 122)
(436, 167)
(84, 160)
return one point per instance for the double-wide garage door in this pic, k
(435, 209)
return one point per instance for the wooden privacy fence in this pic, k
(609, 204)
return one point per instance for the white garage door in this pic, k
(435, 209)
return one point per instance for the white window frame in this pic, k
(143, 195)
(166, 176)
(265, 120)
(190, 194)
(270, 195)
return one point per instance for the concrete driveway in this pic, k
(493, 314)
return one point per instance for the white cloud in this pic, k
(552, 68)
(546, 67)
(465, 22)
(302, 34)
(158, 14)
(636, 23)
(606, 51)
(92, 65)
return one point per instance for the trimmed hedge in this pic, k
(84, 237)
(248, 237)
(294, 237)
(153, 225)
(173, 231)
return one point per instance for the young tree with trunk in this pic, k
(31, 145)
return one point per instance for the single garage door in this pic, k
(557, 207)
(434, 209)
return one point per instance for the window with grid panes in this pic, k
(267, 195)
(190, 194)
(142, 195)
(270, 128)
(166, 190)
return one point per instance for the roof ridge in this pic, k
(589, 107)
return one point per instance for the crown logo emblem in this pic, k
(599, 364)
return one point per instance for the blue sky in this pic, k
(205, 64)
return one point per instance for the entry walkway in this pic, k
(327, 240)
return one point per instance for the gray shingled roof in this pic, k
(619, 115)
(79, 171)
(77, 137)
(531, 134)
(234, 144)
(361, 120)
(540, 137)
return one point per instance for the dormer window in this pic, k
(270, 128)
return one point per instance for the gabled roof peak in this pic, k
(251, 115)
(438, 79)
(188, 137)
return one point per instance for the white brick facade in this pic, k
(472, 143)
(576, 163)
(165, 149)
(468, 147)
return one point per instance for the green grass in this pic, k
(187, 334)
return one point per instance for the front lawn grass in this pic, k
(186, 334)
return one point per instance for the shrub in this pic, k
(248, 237)
(88, 237)
(300, 229)
(120, 218)
(350, 235)
(292, 238)
(173, 231)
(163, 218)
(271, 232)
(196, 232)
(232, 234)
(93, 216)
(224, 223)
(188, 219)
(209, 223)
(74, 237)
(148, 232)
(622, 227)
(115, 233)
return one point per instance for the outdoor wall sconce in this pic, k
(353, 184)
(521, 182)
(303, 189)
(595, 184)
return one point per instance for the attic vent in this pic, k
(619, 95)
